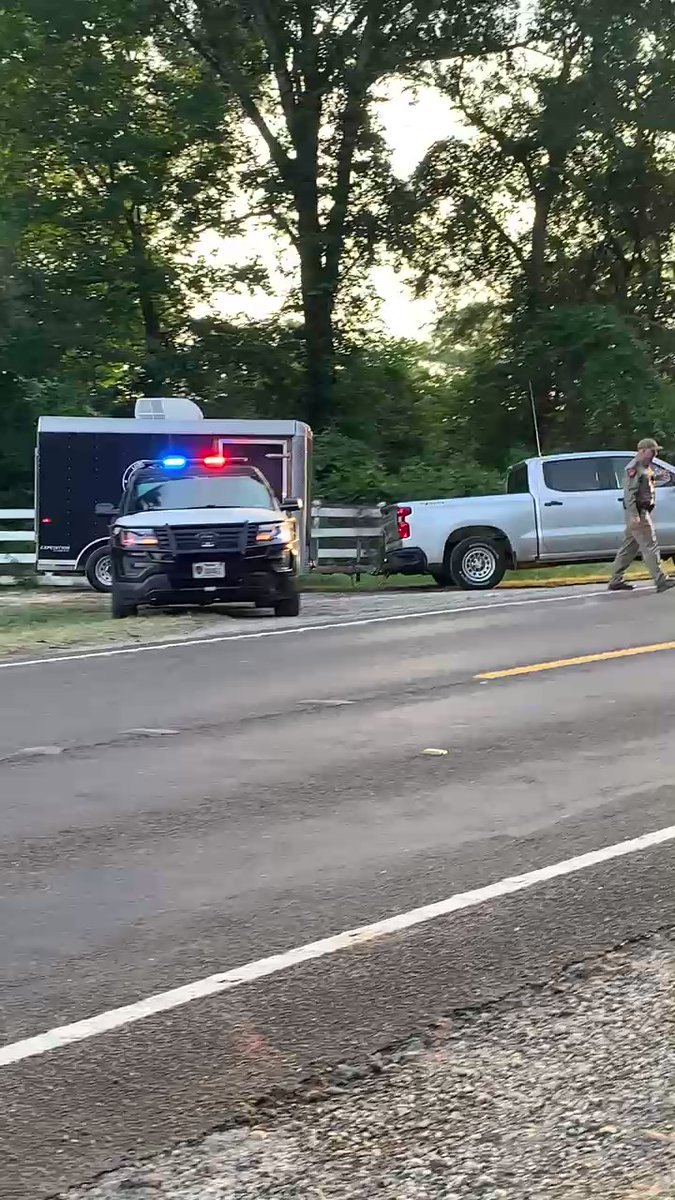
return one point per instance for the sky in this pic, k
(411, 124)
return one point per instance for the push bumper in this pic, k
(139, 582)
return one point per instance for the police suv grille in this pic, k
(189, 539)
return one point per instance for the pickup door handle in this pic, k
(553, 504)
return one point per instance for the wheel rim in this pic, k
(479, 564)
(102, 571)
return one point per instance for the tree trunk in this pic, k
(536, 267)
(317, 307)
(318, 302)
(153, 372)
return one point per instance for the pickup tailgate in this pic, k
(390, 526)
(400, 553)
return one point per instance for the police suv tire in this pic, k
(477, 563)
(120, 608)
(97, 570)
(289, 606)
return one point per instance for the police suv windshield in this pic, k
(199, 491)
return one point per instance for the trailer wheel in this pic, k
(98, 570)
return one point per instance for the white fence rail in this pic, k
(345, 539)
(341, 539)
(10, 536)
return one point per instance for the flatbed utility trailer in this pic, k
(82, 464)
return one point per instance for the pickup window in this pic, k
(517, 481)
(580, 475)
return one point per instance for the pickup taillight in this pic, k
(402, 515)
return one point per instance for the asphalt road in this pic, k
(170, 814)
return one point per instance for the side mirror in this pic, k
(290, 505)
(106, 510)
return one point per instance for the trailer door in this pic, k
(271, 457)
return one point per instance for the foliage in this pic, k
(107, 171)
(602, 388)
(399, 433)
(555, 198)
(544, 221)
(348, 472)
(304, 74)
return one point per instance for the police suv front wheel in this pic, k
(121, 608)
(289, 606)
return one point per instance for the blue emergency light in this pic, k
(174, 462)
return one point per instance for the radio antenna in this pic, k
(535, 421)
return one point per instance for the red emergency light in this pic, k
(214, 460)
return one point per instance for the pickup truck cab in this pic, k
(558, 510)
(201, 532)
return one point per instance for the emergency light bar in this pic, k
(176, 462)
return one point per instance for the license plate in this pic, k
(208, 570)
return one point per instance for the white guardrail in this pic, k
(342, 539)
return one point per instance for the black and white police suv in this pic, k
(201, 531)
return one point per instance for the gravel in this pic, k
(563, 1092)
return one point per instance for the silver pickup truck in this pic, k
(566, 508)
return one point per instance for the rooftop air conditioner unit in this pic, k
(167, 408)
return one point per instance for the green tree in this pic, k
(113, 161)
(556, 200)
(603, 386)
(304, 74)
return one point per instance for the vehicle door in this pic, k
(580, 511)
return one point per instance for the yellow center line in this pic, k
(629, 652)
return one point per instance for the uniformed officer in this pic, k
(639, 497)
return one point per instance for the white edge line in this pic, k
(117, 651)
(213, 985)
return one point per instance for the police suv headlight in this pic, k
(134, 539)
(279, 535)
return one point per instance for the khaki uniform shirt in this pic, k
(639, 489)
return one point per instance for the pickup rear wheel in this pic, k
(477, 563)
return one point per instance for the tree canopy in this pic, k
(542, 224)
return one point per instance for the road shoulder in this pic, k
(561, 1091)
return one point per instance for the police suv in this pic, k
(199, 531)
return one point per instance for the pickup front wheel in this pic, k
(443, 579)
(477, 563)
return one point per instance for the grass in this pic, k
(38, 624)
(539, 577)
(36, 620)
